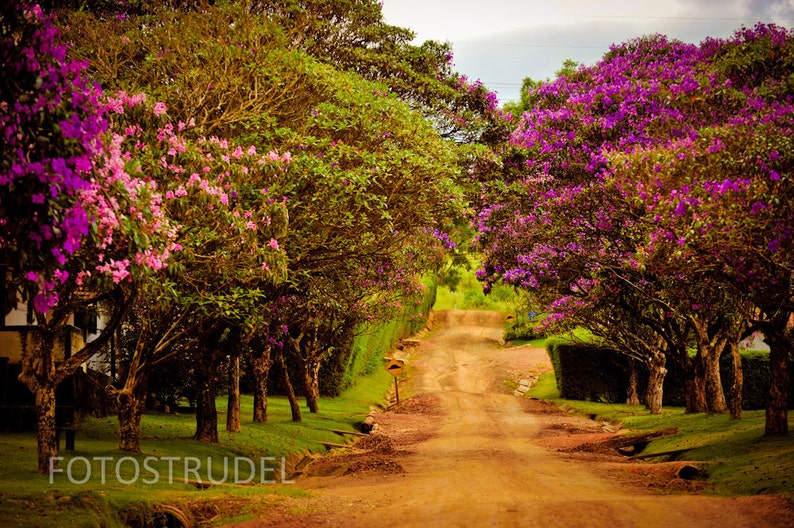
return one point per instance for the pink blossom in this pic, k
(159, 108)
(117, 269)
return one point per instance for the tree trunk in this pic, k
(310, 370)
(130, 411)
(633, 391)
(38, 373)
(42, 375)
(314, 371)
(260, 366)
(715, 395)
(131, 402)
(777, 404)
(656, 374)
(233, 406)
(692, 370)
(293, 400)
(206, 389)
(45, 427)
(710, 347)
(735, 391)
(695, 387)
(778, 333)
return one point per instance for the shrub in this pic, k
(523, 331)
(591, 372)
(588, 372)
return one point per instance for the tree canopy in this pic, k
(258, 177)
(661, 169)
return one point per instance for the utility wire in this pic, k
(635, 17)
(529, 45)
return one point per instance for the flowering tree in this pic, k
(550, 186)
(721, 198)
(637, 132)
(78, 230)
(47, 152)
(219, 194)
(365, 176)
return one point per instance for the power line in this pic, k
(530, 45)
(635, 17)
(746, 19)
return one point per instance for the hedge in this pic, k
(588, 372)
(525, 330)
(596, 373)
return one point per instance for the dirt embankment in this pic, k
(464, 451)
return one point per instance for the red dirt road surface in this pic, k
(465, 452)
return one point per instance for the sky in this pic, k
(500, 42)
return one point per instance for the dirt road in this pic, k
(466, 452)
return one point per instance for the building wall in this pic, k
(11, 342)
(11, 346)
(15, 325)
(755, 342)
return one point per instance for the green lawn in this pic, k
(739, 459)
(131, 484)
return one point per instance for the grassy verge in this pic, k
(738, 458)
(537, 343)
(178, 470)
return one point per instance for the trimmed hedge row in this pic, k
(588, 372)
(596, 373)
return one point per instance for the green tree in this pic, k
(367, 174)
(527, 98)
(80, 231)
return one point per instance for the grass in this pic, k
(105, 499)
(468, 294)
(739, 460)
(537, 343)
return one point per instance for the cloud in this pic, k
(511, 39)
